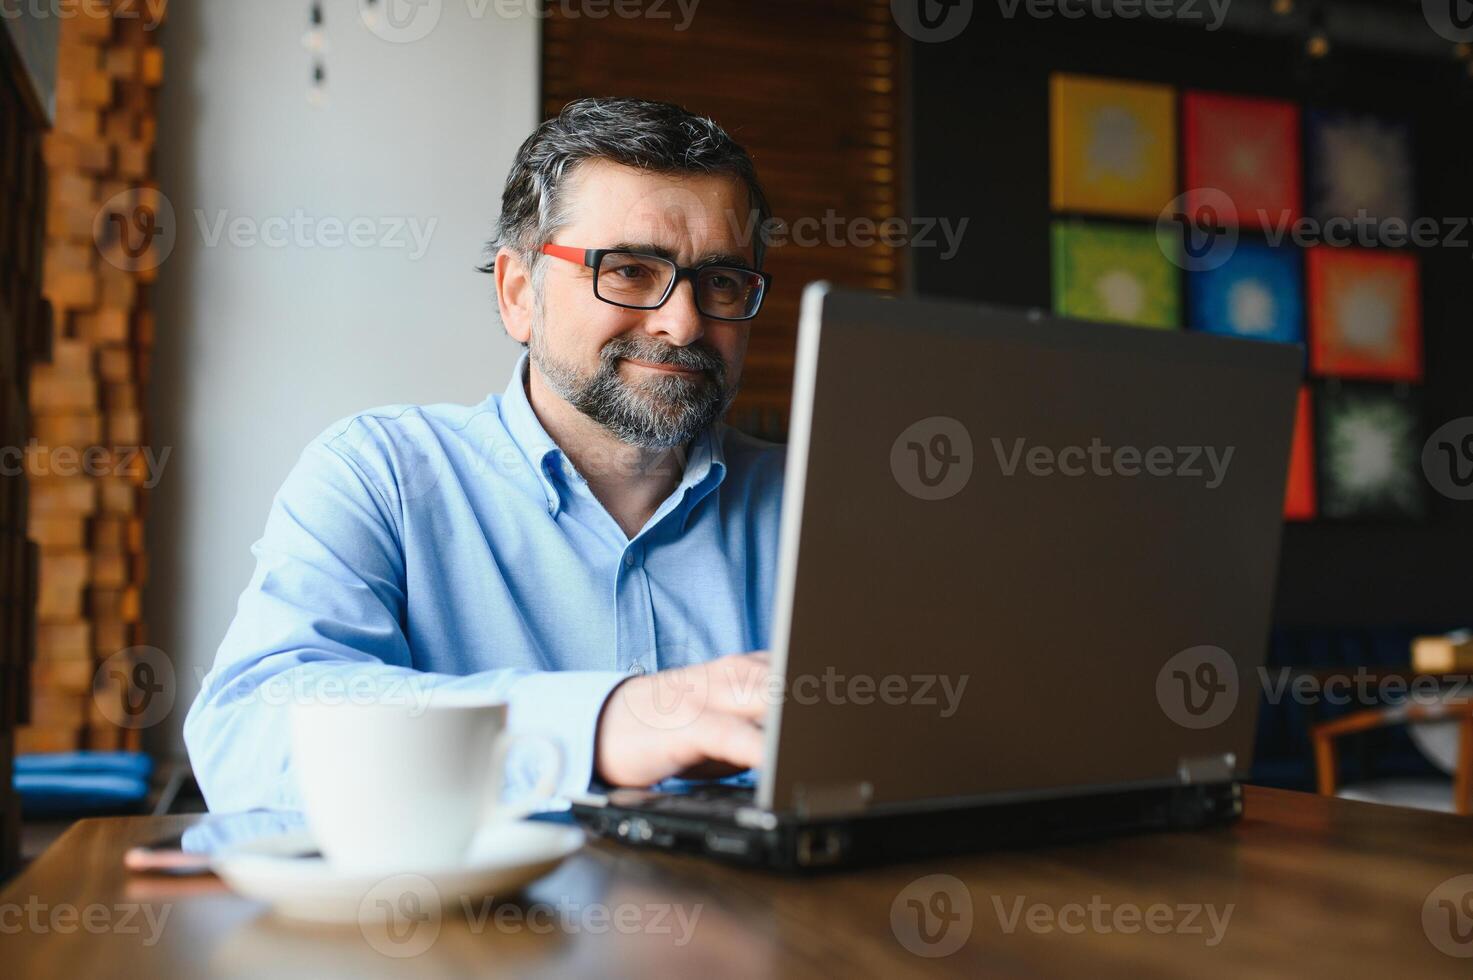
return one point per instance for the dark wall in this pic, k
(980, 143)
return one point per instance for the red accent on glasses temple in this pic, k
(566, 252)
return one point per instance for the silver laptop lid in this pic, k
(1020, 558)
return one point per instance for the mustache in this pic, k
(694, 357)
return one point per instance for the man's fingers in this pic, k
(741, 686)
(727, 738)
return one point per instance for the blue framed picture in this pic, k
(1258, 292)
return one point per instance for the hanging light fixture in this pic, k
(1317, 43)
(315, 41)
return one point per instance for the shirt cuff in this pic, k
(563, 705)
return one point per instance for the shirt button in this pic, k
(628, 559)
(636, 669)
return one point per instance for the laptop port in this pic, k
(727, 843)
(819, 847)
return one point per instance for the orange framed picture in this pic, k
(1365, 313)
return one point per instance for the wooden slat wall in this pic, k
(24, 319)
(88, 522)
(811, 89)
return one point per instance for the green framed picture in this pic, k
(1115, 273)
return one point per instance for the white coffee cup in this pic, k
(406, 787)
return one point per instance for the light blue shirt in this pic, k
(447, 547)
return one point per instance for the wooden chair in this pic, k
(1326, 756)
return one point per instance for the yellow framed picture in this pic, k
(1113, 146)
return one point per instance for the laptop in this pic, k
(1025, 579)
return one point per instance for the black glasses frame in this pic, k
(593, 258)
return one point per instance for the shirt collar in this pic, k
(705, 465)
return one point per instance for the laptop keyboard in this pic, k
(703, 801)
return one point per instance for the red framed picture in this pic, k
(1299, 498)
(1249, 150)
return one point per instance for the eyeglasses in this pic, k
(640, 281)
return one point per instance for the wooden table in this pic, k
(1306, 886)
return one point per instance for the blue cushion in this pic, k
(134, 764)
(78, 794)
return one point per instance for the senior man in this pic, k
(590, 539)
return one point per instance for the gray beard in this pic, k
(658, 413)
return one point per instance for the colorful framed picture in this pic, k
(1249, 150)
(1369, 441)
(1299, 497)
(1365, 313)
(1258, 292)
(1359, 163)
(1113, 146)
(1115, 273)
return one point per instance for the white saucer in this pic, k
(501, 862)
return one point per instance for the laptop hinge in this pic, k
(1207, 768)
(831, 799)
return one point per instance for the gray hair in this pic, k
(653, 136)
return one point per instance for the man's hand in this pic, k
(702, 721)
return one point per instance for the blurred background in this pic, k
(227, 225)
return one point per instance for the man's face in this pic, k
(655, 378)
